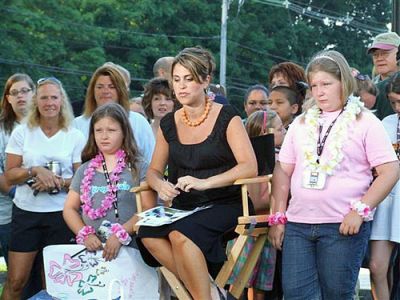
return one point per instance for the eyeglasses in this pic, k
(383, 53)
(22, 91)
(51, 79)
(362, 77)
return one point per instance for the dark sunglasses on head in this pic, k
(46, 79)
(362, 77)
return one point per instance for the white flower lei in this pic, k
(337, 136)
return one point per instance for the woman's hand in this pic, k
(93, 243)
(275, 235)
(351, 223)
(111, 248)
(45, 180)
(167, 191)
(186, 183)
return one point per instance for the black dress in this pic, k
(208, 158)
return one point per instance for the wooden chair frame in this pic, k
(248, 226)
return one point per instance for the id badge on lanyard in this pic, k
(314, 180)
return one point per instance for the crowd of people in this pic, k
(335, 187)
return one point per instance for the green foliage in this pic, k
(69, 39)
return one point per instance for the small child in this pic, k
(260, 123)
(287, 102)
(100, 189)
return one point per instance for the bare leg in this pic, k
(19, 269)
(378, 266)
(161, 249)
(191, 266)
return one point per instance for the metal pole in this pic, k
(396, 16)
(224, 27)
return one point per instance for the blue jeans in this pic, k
(320, 263)
(4, 239)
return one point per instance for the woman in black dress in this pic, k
(206, 148)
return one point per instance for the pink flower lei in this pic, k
(109, 199)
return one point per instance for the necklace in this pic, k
(108, 201)
(200, 120)
(339, 134)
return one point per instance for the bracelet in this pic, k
(278, 218)
(83, 234)
(30, 175)
(120, 232)
(364, 210)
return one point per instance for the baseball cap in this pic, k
(385, 41)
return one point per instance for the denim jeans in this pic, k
(4, 239)
(320, 263)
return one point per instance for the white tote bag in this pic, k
(73, 273)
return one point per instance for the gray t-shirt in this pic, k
(5, 201)
(126, 199)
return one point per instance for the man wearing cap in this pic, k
(384, 51)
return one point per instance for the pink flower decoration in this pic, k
(109, 199)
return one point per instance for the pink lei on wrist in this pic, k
(109, 199)
(120, 232)
(364, 210)
(277, 218)
(84, 233)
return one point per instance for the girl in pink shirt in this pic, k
(325, 161)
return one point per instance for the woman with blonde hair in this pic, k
(46, 139)
(108, 85)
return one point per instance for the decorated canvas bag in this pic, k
(73, 273)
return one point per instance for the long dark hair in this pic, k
(8, 116)
(118, 114)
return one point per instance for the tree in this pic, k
(70, 39)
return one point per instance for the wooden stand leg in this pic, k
(248, 267)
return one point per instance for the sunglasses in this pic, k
(49, 79)
(362, 77)
(22, 91)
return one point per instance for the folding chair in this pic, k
(248, 225)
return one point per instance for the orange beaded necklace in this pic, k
(200, 120)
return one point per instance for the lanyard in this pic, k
(109, 183)
(321, 144)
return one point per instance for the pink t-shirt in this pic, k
(367, 146)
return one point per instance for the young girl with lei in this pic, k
(326, 161)
(100, 189)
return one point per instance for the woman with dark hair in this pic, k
(108, 85)
(95, 196)
(17, 95)
(207, 149)
(158, 101)
(46, 138)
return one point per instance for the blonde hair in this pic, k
(65, 115)
(117, 80)
(335, 64)
(255, 124)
